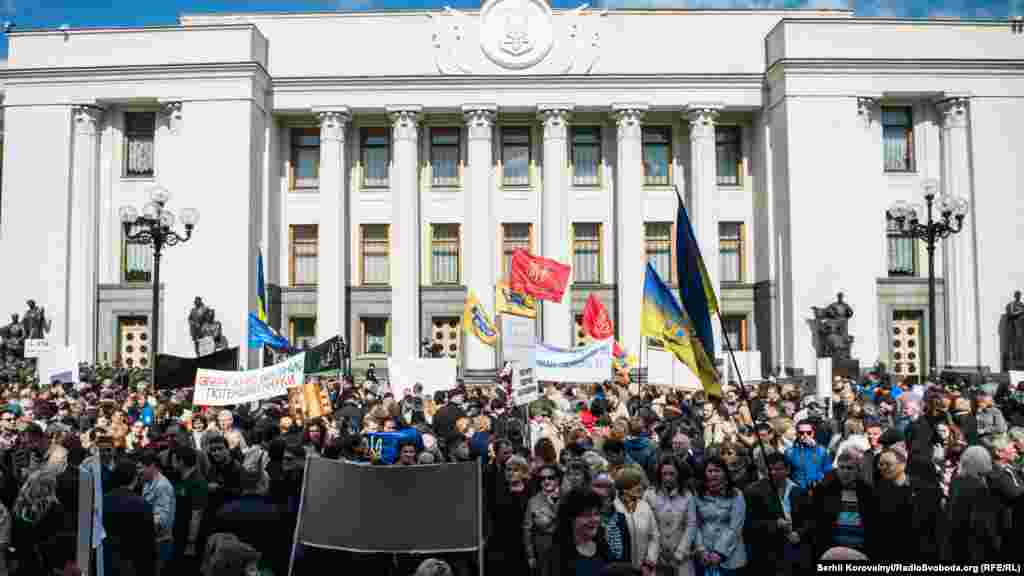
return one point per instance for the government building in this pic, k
(385, 164)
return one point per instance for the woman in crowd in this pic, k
(674, 509)
(38, 520)
(613, 522)
(892, 513)
(643, 526)
(579, 547)
(771, 439)
(973, 510)
(721, 512)
(315, 437)
(741, 469)
(139, 437)
(541, 517)
(505, 550)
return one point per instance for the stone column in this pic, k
(82, 289)
(556, 317)
(405, 233)
(959, 250)
(629, 228)
(478, 226)
(704, 193)
(332, 238)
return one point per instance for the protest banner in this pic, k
(591, 363)
(434, 374)
(518, 337)
(352, 507)
(174, 372)
(221, 388)
(525, 388)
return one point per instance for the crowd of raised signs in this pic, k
(609, 478)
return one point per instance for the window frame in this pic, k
(126, 138)
(738, 142)
(293, 180)
(650, 129)
(292, 229)
(364, 333)
(908, 138)
(125, 273)
(598, 145)
(292, 323)
(364, 147)
(505, 253)
(673, 273)
(741, 244)
(600, 253)
(518, 129)
(892, 233)
(744, 329)
(457, 243)
(456, 180)
(362, 252)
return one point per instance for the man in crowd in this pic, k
(808, 461)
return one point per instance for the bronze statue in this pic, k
(1013, 334)
(202, 323)
(34, 321)
(831, 325)
(14, 338)
(212, 328)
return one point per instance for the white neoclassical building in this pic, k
(387, 162)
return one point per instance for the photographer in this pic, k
(808, 461)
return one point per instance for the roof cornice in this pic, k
(733, 81)
(944, 66)
(93, 73)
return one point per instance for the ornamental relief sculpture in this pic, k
(517, 36)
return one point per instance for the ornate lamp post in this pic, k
(933, 227)
(155, 227)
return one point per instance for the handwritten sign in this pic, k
(222, 388)
(35, 347)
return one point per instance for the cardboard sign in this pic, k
(524, 387)
(434, 374)
(35, 347)
(221, 388)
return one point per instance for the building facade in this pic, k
(385, 163)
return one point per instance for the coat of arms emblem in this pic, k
(516, 33)
(517, 39)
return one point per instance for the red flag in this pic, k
(598, 325)
(540, 277)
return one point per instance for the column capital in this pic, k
(866, 106)
(628, 120)
(953, 111)
(702, 118)
(404, 121)
(333, 122)
(479, 120)
(87, 118)
(555, 119)
(170, 111)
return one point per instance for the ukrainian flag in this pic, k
(695, 289)
(664, 319)
(261, 289)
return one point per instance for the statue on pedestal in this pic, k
(13, 338)
(202, 323)
(831, 324)
(34, 321)
(1013, 334)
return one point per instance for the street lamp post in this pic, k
(948, 220)
(155, 227)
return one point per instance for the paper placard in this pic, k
(524, 386)
(206, 346)
(35, 347)
(434, 374)
(222, 388)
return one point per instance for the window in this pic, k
(513, 237)
(736, 330)
(657, 152)
(730, 251)
(445, 337)
(898, 139)
(303, 254)
(586, 155)
(305, 158)
(658, 245)
(375, 249)
(586, 253)
(515, 155)
(902, 251)
(444, 254)
(136, 259)
(139, 137)
(376, 335)
(374, 155)
(444, 156)
(302, 331)
(729, 152)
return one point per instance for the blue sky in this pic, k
(92, 13)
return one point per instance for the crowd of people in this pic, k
(607, 478)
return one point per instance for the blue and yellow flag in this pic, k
(695, 289)
(476, 321)
(261, 289)
(664, 319)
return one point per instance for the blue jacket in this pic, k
(808, 464)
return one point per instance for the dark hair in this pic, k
(124, 474)
(571, 506)
(684, 474)
(728, 489)
(552, 467)
(775, 458)
(614, 445)
(807, 422)
(545, 449)
(185, 455)
(149, 457)
(406, 442)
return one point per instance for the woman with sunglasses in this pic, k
(541, 518)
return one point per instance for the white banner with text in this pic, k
(223, 388)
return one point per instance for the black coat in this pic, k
(891, 518)
(761, 528)
(128, 521)
(1010, 498)
(921, 438)
(974, 518)
(505, 550)
(259, 523)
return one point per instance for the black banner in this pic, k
(175, 372)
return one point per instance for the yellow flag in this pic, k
(507, 301)
(476, 322)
